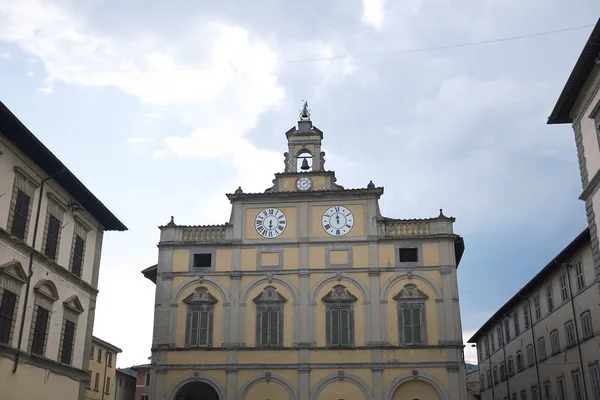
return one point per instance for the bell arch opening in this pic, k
(197, 391)
(304, 161)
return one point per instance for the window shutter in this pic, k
(78, 255)
(328, 338)
(274, 328)
(406, 326)
(203, 328)
(264, 327)
(39, 333)
(345, 327)
(7, 310)
(335, 327)
(68, 339)
(417, 325)
(194, 328)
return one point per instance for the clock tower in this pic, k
(308, 292)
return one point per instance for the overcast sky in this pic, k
(127, 94)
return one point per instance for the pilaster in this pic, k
(304, 375)
(232, 373)
(163, 329)
(234, 311)
(374, 308)
(377, 371)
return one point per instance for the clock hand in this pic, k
(337, 217)
(270, 224)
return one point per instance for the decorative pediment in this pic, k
(47, 289)
(410, 292)
(200, 296)
(14, 270)
(338, 294)
(269, 295)
(73, 304)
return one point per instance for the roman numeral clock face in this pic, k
(337, 221)
(270, 223)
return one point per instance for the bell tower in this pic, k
(304, 146)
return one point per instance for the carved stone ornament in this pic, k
(268, 376)
(339, 294)
(269, 295)
(200, 296)
(286, 161)
(341, 375)
(410, 292)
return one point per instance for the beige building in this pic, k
(125, 384)
(308, 292)
(544, 342)
(51, 229)
(102, 370)
(579, 105)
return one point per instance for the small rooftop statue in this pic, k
(239, 190)
(305, 113)
(371, 185)
(172, 223)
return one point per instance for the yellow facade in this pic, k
(371, 313)
(102, 370)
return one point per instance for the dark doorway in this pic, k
(197, 391)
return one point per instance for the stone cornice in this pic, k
(46, 262)
(281, 196)
(442, 345)
(45, 363)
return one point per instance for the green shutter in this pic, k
(406, 326)
(203, 328)
(417, 332)
(274, 328)
(335, 327)
(344, 327)
(264, 328)
(194, 328)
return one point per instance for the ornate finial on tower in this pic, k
(239, 190)
(371, 185)
(305, 113)
(172, 223)
(441, 214)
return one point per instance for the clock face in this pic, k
(304, 183)
(270, 223)
(337, 221)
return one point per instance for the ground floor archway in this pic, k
(416, 390)
(197, 391)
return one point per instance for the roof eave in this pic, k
(561, 113)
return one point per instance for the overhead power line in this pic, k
(353, 55)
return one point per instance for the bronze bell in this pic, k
(305, 165)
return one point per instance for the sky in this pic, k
(161, 108)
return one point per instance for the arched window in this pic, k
(339, 316)
(72, 308)
(200, 315)
(12, 279)
(411, 315)
(269, 317)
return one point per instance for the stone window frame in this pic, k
(520, 361)
(502, 371)
(269, 300)
(499, 334)
(495, 374)
(594, 371)
(410, 297)
(338, 247)
(569, 327)
(526, 316)
(554, 342)
(537, 306)
(577, 383)
(541, 344)
(72, 308)
(561, 387)
(563, 283)
(506, 324)
(203, 250)
(530, 355)
(268, 249)
(579, 277)
(516, 323)
(339, 299)
(408, 245)
(547, 389)
(80, 229)
(12, 279)
(200, 301)
(586, 317)
(510, 366)
(550, 297)
(24, 182)
(535, 393)
(56, 209)
(97, 382)
(595, 115)
(45, 295)
(488, 375)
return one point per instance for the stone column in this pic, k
(377, 370)
(232, 372)
(304, 375)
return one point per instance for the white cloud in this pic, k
(373, 13)
(231, 81)
(139, 140)
(5, 55)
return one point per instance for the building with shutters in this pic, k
(102, 371)
(51, 229)
(543, 343)
(308, 292)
